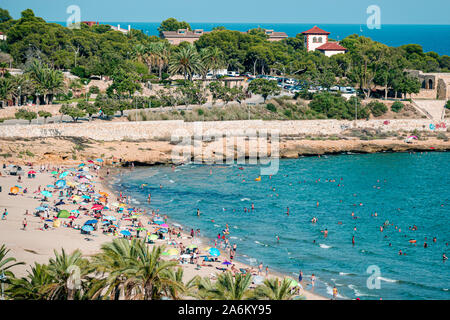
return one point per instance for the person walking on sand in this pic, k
(4, 215)
(300, 277)
(260, 268)
(24, 223)
(313, 280)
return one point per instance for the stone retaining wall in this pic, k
(163, 130)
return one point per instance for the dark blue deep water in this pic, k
(403, 189)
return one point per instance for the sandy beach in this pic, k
(37, 245)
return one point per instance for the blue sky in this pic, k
(276, 11)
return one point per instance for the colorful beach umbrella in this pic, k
(153, 237)
(14, 190)
(93, 221)
(64, 174)
(110, 218)
(171, 252)
(31, 172)
(60, 183)
(214, 252)
(87, 228)
(125, 233)
(54, 172)
(46, 193)
(63, 214)
(293, 283)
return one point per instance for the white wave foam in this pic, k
(246, 199)
(257, 242)
(358, 293)
(387, 279)
(324, 246)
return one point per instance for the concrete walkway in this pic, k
(433, 109)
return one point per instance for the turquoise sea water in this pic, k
(405, 189)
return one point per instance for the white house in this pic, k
(2, 36)
(317, 39)
(124, 31)
(331, 48)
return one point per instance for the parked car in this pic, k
(233, 74)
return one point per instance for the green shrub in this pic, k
(94, 90)
(377, 108)
(271, 107)
(200, 112)
(397, 106)
(447, 105)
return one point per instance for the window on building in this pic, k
(315, 40)
(319, 40)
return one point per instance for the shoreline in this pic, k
(35, 245)
(204, 241)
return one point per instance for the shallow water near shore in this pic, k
(403, 189)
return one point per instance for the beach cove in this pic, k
(36, 243)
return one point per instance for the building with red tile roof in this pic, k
(317, 39)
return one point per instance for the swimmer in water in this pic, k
(287, 212)
(353, 240)
(198, 212)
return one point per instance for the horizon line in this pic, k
(326, 23)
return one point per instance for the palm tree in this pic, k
(32, 286)
(212, 59)
(162, 56)
(226, 287)
(274, 289)
(6, 90)
(7, 263)
(185, 61)
(148, 275)
(27, 87)
(132, 270)
(68, 274)
(175, 289)
(49, 81)
(111, 262)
